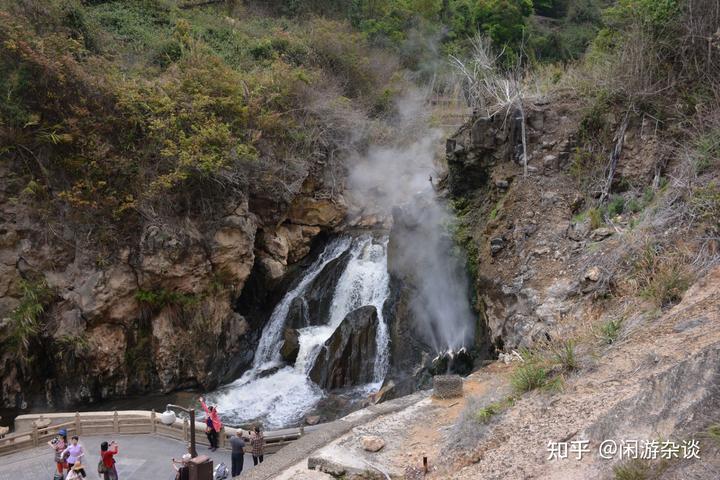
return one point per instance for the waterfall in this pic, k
(282, 397)
(267, 354)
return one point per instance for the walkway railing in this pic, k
(31, 430)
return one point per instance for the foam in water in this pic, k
(283, 397)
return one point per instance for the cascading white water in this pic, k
(284, 396)
(267, 354)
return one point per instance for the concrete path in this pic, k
(141, 457)
(299, 450)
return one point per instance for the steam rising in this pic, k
(396, 178)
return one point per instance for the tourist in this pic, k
(257, 442)
(213, 424)
(107, 455)
(181, 467)
(77, 472)
(238, 453)
(75, 453)
(59, 444)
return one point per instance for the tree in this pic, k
(504, 21)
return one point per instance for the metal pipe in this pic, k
(191, 411)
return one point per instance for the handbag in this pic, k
(102, 468)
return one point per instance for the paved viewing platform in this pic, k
(147, 445)
(141, 457)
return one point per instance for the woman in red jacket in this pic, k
(213, 423)
(108, 459)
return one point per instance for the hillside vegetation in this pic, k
(152, 153)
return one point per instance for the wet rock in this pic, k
(460, 363)
(314, 307)
(348, 356)
(291, 345)
(298, 314)
(371, 443)
(384, 393)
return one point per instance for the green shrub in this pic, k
(705, 203)
(527, 377)
(71, 348)
(634, 206)
(486, 413)
(632, 470)
(667, 286)
(610, 330)
(596, 218)
(565, 355)
(161, 297)
(707, 151)
(661, 274)
(25, 320)
(641, 469)
(713, 432)
(616, 206)
(648, 195)
(555, 384)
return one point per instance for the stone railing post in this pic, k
(302, 430)
(153, 427)
(185, 429)
(116, 422)
(78, 425)
(35, 434)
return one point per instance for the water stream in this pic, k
(280, 394)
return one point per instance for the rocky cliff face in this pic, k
(154, 314)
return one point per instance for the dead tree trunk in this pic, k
(615, 156)
(524, 137)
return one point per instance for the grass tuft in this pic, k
(566, 357)
(527, 377)
(610, 330)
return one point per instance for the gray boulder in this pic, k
(313, 307)
(348, 356)
(291, 345)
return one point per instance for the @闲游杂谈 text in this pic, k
(624, 449)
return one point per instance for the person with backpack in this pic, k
(75, 454)
(257, 441)
(106, 467)
(237, 443)
(213, 424)
(59, 444)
